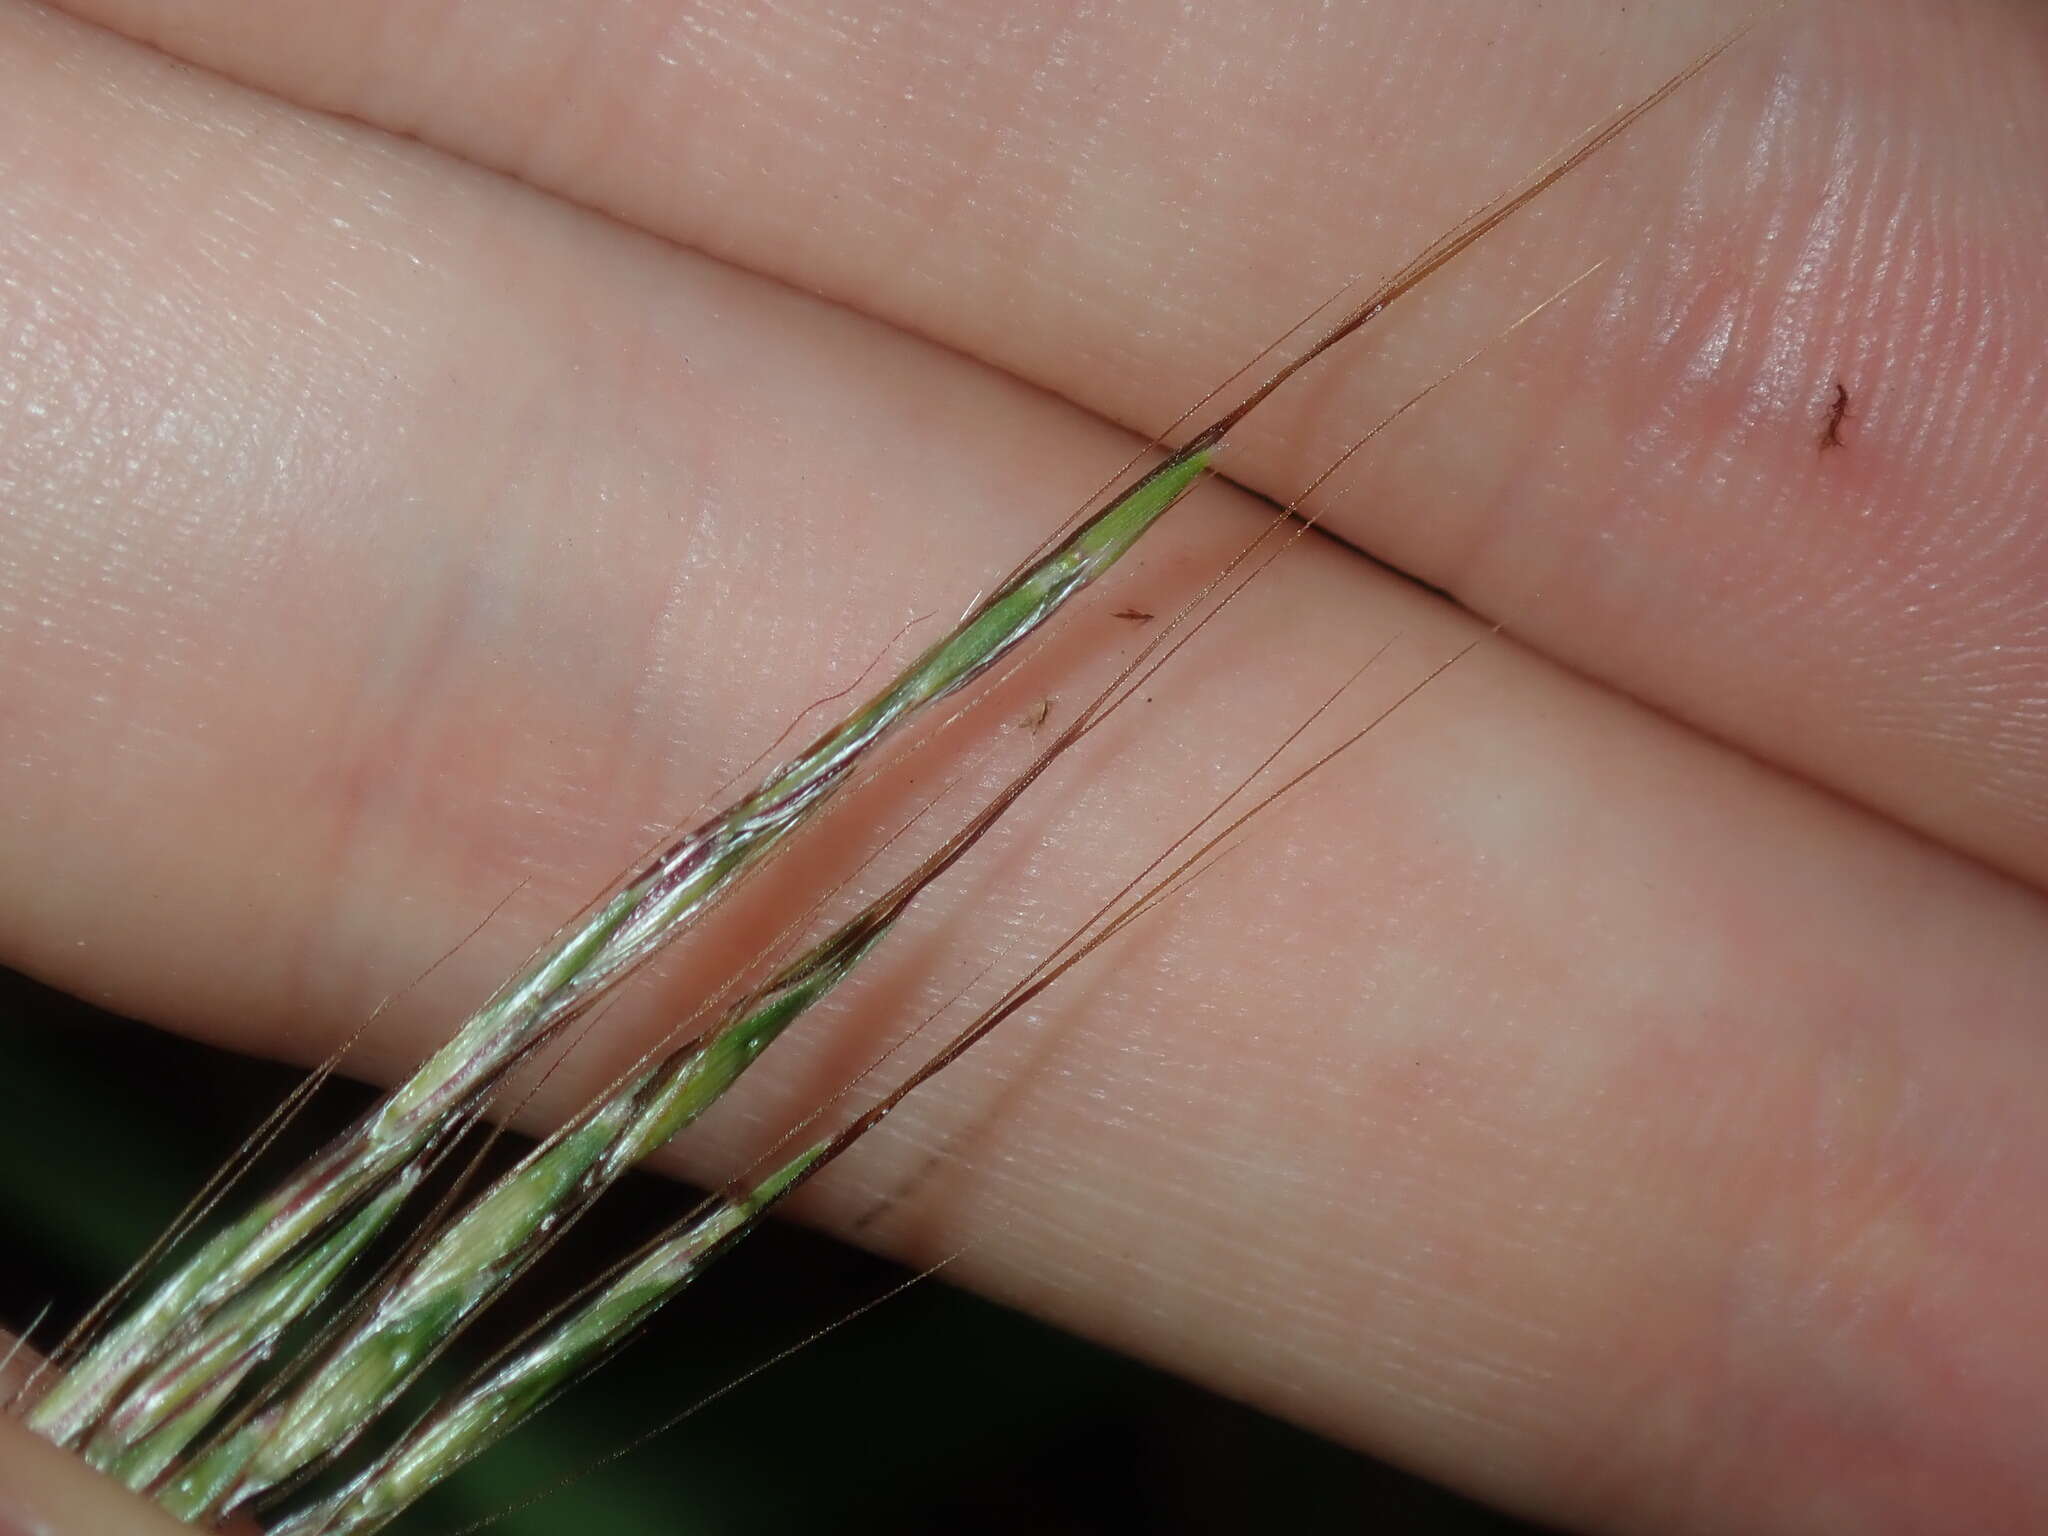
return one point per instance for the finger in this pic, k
(48, 1492)
(1821, 243)
(1569, 1108)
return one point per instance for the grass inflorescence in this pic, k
(191, 1393)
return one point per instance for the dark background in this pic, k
(935, 1412)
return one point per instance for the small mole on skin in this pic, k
(1838, 412)
(1135, 615)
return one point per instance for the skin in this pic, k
(48, 1492)
(1615, 1090)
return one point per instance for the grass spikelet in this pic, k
(471, 1262)
(531, 1374)
(155, 1424)
(476, 1418)
(176, 1371)
(484, 1248)
(648, 908)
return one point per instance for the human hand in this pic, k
(1630, 1116)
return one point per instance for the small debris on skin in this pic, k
(1838, 412)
